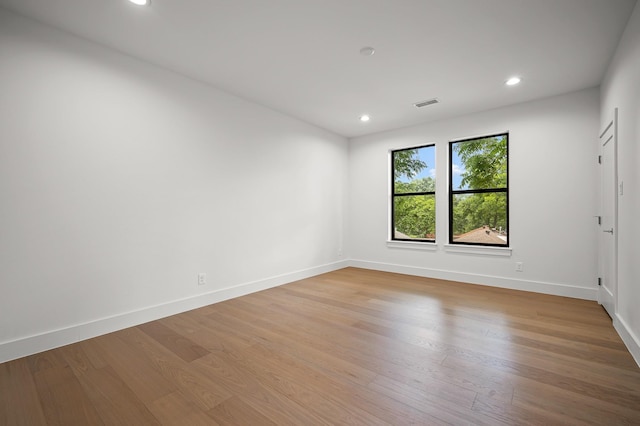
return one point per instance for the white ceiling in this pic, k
(301, 57)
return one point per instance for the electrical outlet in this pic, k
(202, 278)
(519, 267)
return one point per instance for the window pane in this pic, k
(480, 218)
(415, 217)
(479, 163)
(414, 170)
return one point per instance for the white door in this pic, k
(608, 237)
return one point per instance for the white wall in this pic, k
(120, 181)
(621, 89)
(552, 160)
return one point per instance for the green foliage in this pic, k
(472, 211)
(406, 163)
(484, 161)
(485, 167)
(415, 215)
(427, 184)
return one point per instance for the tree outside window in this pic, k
(413, 194)
(478, 195)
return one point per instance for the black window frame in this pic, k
(453, 193)
(394, 195)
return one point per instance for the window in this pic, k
(478, 194)
(413, 209)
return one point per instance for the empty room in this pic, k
(314, 212)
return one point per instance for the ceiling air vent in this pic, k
(426, 103)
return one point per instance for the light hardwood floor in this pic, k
(347, 347)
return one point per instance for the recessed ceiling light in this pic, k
(513, 81)
(364, 118)
(367, 51)
(140, 2)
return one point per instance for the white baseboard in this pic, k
(628, 337)
(55, 338)
(493, 281)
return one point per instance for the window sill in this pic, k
(479, 250)
(411, 245)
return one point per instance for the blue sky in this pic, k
(458, 169)
(427, 154)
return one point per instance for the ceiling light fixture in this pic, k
(513, 81)
(140, 2)
(367, 51)
(364, 118)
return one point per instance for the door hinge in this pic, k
(599, 159)
(599, 220)
(599, 281)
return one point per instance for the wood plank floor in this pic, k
(348, 347)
